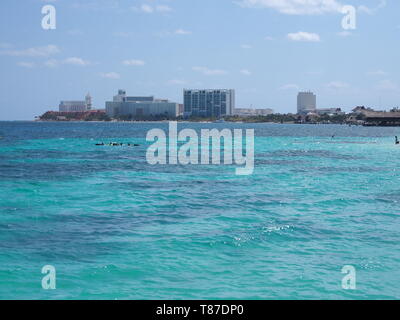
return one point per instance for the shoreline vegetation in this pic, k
(272, 118)
(360, 116)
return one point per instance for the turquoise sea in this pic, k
(115, 227)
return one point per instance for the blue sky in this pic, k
(265, 49)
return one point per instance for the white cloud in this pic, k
(295, 7)
(304, 36)
(182, 32)
(24, 64)
(371, 11)
(146, 8)
(290, 86)
(51, 63)
(377, 73)
(337, 85)
(45, 51)
(163, 8)
(364, 9)
(245, 72)
(110, 75)
(73, 61)
(133, 62)
(209, 72)
(177, 32)
(246, 46)
(76, 62)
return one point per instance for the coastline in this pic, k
(179, 121)
(163, 121)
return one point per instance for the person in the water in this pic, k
(117, 144)
(397, 140)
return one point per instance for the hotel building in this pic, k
(249, 112)
(76, 106)
(306, 103)
(209, 103)
(140, 106)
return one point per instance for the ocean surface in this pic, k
(115, 227)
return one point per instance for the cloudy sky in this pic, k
(265, 49)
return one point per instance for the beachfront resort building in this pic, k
(76, 106)
(140, 106)
(249, 112)
(306, 103)
(209, 102)
(330, 112)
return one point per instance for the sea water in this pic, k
(115, 227)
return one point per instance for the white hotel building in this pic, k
(306, 103)
(140, 106)
(76, 106)
(209, 102)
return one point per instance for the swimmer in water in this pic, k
(397, 140)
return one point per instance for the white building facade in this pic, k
(209, 102)
(248, 112)
(330, 111)
(76, 106)
(306, 103)
(140, 106)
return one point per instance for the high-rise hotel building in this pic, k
(306, 103)
(209, 103)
